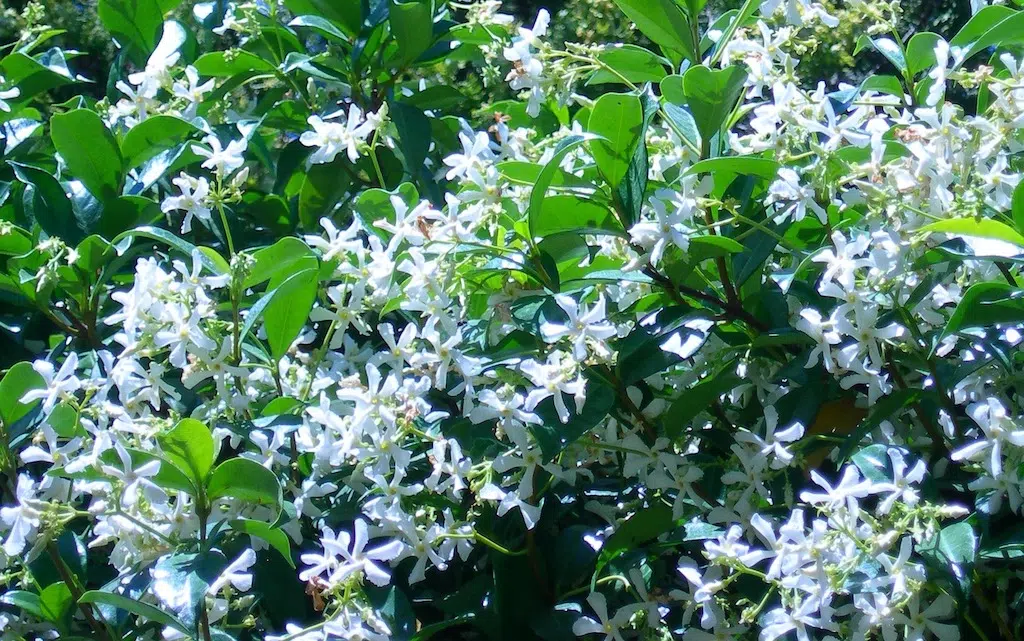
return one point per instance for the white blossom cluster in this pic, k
(395, 407)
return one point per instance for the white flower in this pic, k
(193, 200)
(610, 627)
(795, 198)
(998, 427)
(334, 137)
(224, 159)
(57, 385)
(582, 324)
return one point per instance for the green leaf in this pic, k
(90, 152)
(527, 173)
(983, 228)
(138, 608)
(711, 96)
(223, 64)
(987, 304)
(412, 27)
(921, 52)
(698, 398)
(547, 175)
(276, 259)
(1001, 29)
(640, 528)
(561, 213)
(955, 548)
(883, 84)
(618, 119)
(50, 206)
(189, 446)
(704, 247)
(33, 77)
(663, 22)
(428, 631)
(628, 63)
(272, 535)
(55, 602)
(183, 246)
(136, 24)
(321, 25)
(348, 16)
(682, 122)
(287, 308)
(27, 601)
(885, 46)
(322, 188)
(152, 136)
(413, 133)
(247, 480)
(726, 168)
(631, 193)
(1018, 207)
(980, 23)
(16, 382)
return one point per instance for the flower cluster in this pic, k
(717, 354)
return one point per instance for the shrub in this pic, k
(301, 344)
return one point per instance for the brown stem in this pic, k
(101, 630)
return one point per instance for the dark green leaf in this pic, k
(138, 608)
(90, 152)
(698, 398)
(136, 24)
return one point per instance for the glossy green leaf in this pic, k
(16, 382)
(278, 258)
(27, 601)
(977, 228)
(55, 602)
(275, 537)
(955, 547)
(921, 52)
(412, 27)
(288, 308)
(152, 136)
(698, 398)
(189, 446)
(663, 21)
(90, 152)
(711, 97)
(987, 304)
(136, 24)
(547, 175)
(138, 608)
(221, 64)
(50, 205)
(643, 526)
(885, 46)
(247, 480)
(618, 120)
(1018, 207)
(565, 213)
(628, 63)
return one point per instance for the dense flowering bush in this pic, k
(680, 345)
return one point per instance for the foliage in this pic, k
(303, 343)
